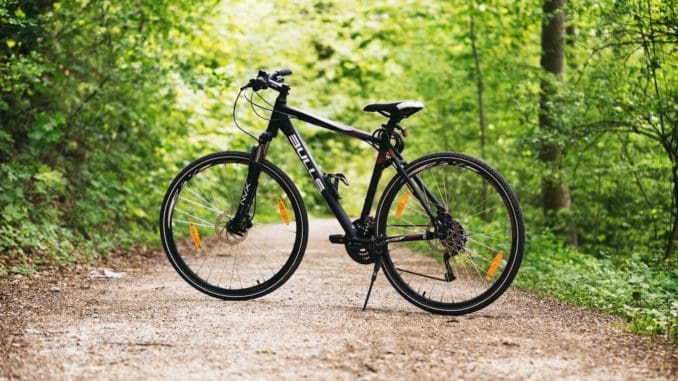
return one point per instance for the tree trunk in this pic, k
(480, 87)
(481, 109)
(555, 192)
(672, 235)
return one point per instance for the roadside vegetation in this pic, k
(102, 102)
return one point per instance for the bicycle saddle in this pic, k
(400, 110)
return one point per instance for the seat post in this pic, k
(393, 121)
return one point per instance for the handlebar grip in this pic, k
(282, 72)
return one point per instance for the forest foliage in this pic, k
(102, 102)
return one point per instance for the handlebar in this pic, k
(264, 80)
(282, 72)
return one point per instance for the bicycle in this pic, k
(448, 230)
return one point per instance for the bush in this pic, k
(645, 296)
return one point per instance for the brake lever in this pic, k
(256, 84)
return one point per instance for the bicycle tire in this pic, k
(410, 269)
(259, 260)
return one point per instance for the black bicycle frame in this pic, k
(281, 121)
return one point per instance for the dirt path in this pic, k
(152, 325)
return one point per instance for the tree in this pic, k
(481, 104)
(555, 192)
(84, 101)
(653, 29)
(627, 88)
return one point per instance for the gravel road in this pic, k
(152, 325)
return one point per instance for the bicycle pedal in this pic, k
(337, 238)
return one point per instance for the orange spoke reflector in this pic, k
(494, 265)
(283, 211)
(401, 204)
(195, 236)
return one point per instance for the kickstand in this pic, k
(377, 265)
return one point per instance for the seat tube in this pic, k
(379, 166)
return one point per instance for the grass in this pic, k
(28, 247)
(643, 295)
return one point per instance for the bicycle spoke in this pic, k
(410, 225)
(235, 265)
(205, 222)
(447, 206)
(409, 222)
(490, 236)
(483, 245)
(224, 268)
(198, 196)
(202, 264)
(482, 211)
(260, 253)
(199, 204)
(469, 252)
(194, 223)
(447, 194)
(217, 202)
(409, 256)
(475, 266)
(273, 227)
(422, 212)
(202, 201)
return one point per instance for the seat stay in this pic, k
(418, 189)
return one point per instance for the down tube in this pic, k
(317, 176)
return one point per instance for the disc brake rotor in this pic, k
(220, 227)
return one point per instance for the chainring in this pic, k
(362, 253)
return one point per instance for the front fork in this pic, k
(242, 220)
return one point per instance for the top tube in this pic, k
(327, 123)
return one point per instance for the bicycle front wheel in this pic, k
(199, 204)
(475, 254)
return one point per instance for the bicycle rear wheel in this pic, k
(199, 204)
(482, 243)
